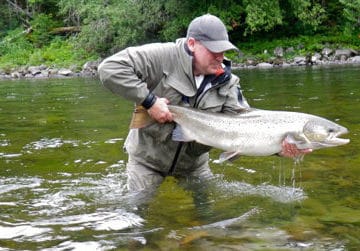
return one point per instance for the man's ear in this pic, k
(191, 44)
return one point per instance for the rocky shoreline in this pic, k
(89, 69)
(326, 57)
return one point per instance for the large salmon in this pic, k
(255, 132)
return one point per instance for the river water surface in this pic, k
(63, 180)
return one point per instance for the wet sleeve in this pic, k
(133, 72)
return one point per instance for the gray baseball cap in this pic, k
(211, 32)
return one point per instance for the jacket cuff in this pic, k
(149, 101)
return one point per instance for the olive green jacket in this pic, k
(165, 69)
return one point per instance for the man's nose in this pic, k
(219, 56)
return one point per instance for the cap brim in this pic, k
(219, 46)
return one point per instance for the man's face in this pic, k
(205, 62)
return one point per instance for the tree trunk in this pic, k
(65, 30)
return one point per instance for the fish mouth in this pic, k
(338, 141)
(331, 142)
(334, 140)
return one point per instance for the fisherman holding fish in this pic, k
(190, 72)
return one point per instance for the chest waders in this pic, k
(214, 80)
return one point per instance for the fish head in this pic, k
(321, 133)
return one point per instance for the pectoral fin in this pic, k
(228, 156)
(179, 135)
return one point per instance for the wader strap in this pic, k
(173, 164)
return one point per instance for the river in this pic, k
(63, 180)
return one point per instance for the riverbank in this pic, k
(89, 69)
(325, 57)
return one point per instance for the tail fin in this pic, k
(140, 118)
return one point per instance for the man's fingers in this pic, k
(160, 112)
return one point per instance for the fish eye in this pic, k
(331, 130)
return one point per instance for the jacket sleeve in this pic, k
(133, 72)
(235, 102)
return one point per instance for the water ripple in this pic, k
(10, 155)
(4, 142)
(282, 194)
(11, 232)
(118, 219)
(12, 184)
(50, 143)
(49, 211)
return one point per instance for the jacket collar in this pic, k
(185, 57)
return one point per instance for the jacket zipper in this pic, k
(201, 95)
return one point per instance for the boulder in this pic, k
(33, 70)
(355, 59)
(90, 66)
(344, 54)
(53, 71)
(250, 62)
(16, 74)
(65, 72)
(277, 61)
(315, 59)
(29, 75)
(45, 73)
(326, 52)
(265, 65)
(300, 60)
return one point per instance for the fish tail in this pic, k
(140, 118)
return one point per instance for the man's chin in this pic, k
(213, 71)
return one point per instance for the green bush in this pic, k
(15, 49)
(41, 26)
(60, 53)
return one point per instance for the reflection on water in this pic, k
(63, 177)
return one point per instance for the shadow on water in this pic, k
(63, 177)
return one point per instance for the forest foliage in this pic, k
(63, 32)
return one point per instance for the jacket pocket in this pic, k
(160, 132)
(195, 149)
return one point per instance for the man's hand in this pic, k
(160, 112)
(291, 151)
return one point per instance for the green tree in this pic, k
(105, 25)
(262, 15)
(41, 26)
(310, 13)
(352, 14)
(266, 15)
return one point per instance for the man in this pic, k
(192, 72)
